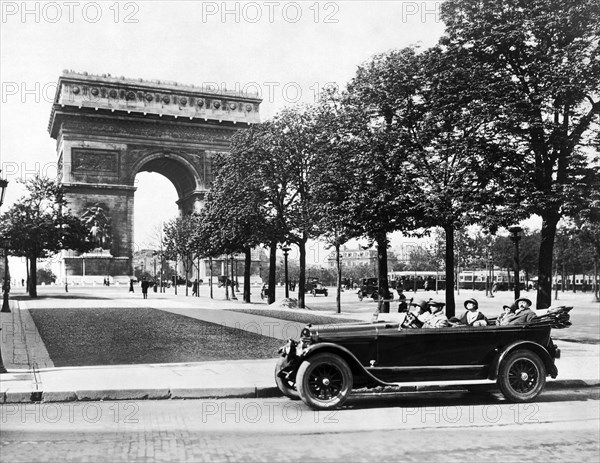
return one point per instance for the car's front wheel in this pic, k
(286, 387)
(522, 376)
(324, 381)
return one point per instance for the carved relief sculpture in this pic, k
(99, 225)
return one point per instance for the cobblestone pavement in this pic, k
(561, 427)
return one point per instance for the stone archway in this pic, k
(109, 129)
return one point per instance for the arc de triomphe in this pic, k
(108, 129)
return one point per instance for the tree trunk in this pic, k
(596, 286)
(33, 276)
(548, 234)
(187, 274)
(247, 266)
(210, 267)
(226, 274)
(272, 268)
(233, 296)
(302, 282)
(338, 296)
(450, 303)
(382, 271)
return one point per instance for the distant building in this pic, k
(353, 256)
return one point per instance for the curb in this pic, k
(10, 397)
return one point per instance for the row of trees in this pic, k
(495, 123)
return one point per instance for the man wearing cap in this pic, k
(472, 317)
(523, 314)
(437, 319)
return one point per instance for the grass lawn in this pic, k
(113, 336)
(313, 318)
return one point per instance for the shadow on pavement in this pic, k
(455, 398)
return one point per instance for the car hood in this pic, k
(333, 332)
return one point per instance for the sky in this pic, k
(285, 51)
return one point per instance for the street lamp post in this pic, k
(286, 250)
(515, 238)
(3, 185)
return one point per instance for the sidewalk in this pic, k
(32, 376)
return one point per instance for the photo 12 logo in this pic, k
(270, 12)
(69, 12)
(424, 11)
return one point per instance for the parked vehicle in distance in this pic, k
(328, 361)
(319, 289)
(369, 288)
(311, 282)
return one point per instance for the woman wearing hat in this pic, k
(472, 317)
(506, 311)
(523, 313)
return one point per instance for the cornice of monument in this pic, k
(77, 91)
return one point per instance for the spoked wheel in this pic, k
(324, 381)
(287, 388)
(522, 376)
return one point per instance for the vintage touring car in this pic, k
(329, 361)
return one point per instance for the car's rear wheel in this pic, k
(522, 376)
(324, 381)
(287, 388)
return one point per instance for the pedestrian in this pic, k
(195, 287)
(131, 285)
(402, 306)
(145, 285)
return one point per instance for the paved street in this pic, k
(459, 426)
(408, 427)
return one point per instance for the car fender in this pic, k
(355, 366)
(530, 345)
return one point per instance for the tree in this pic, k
(45, 276)
(39, 225)
(178, 243)
(255, 176)
(537, 61)
(380, 103)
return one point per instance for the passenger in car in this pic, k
(472, 317)
(523, 314)
(438, 318)
(506, 311)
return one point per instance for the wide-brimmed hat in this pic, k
(523, 299)
(420, 303)
(436, 303)
(474, 301)
(504, 307)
